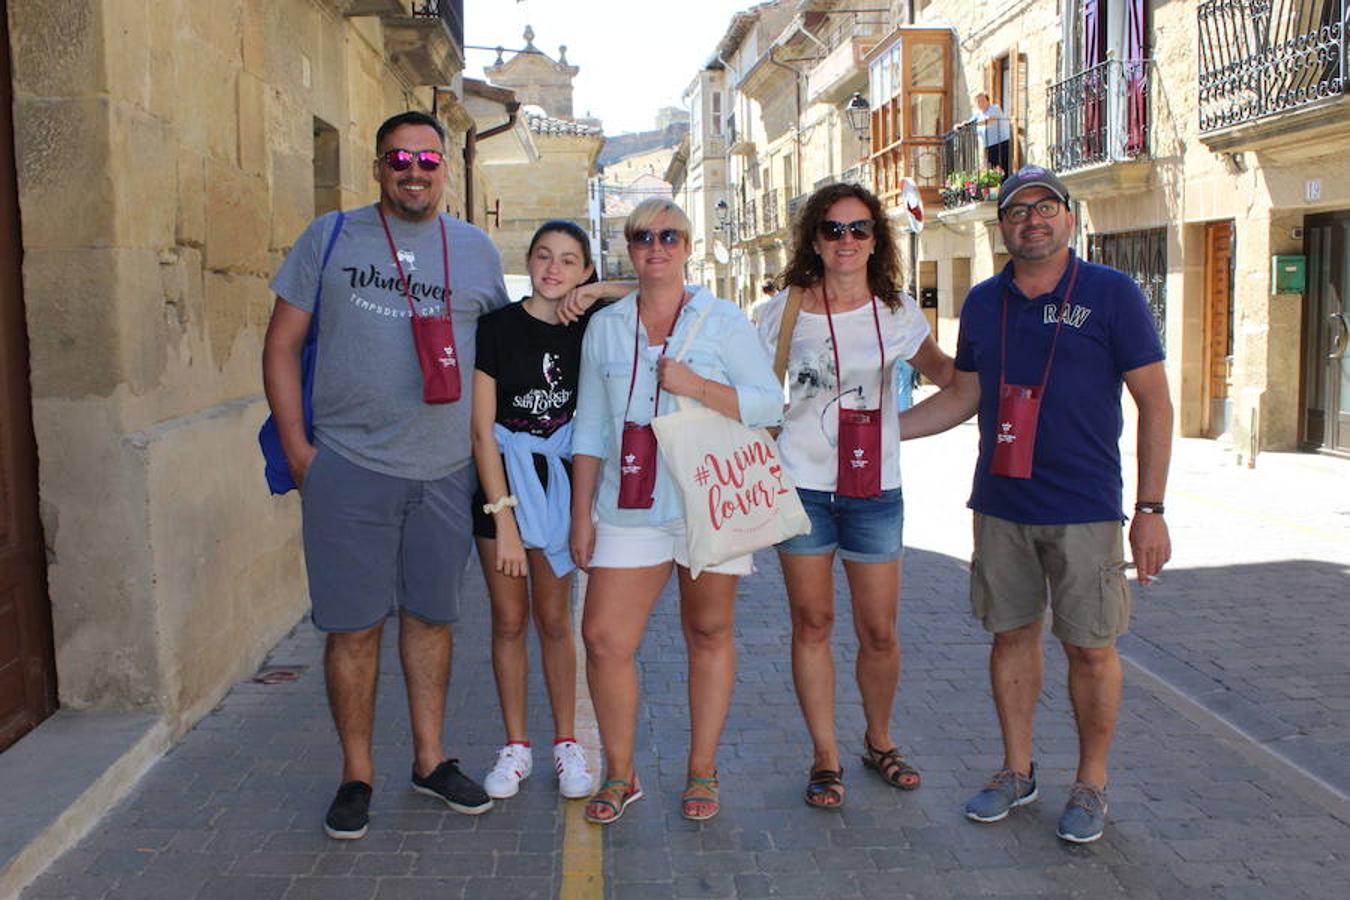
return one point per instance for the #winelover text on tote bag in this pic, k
(737, 496)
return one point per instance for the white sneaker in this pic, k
(514, 762)
(574, 778)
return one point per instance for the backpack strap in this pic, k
(785, 327)
(327, 252)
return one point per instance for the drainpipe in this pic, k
(797, 123)
(470, 156)
(471, 139)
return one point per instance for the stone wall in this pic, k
(555, 187)
(166, 163)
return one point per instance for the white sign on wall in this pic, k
(1312, 190)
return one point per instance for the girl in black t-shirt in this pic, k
(524, 393)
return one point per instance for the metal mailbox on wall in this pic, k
(1288, 274)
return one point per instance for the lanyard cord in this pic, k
(403, 279)
(1059, 325)
(637, 330)
(834, 345)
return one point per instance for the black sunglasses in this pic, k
(1046, 208)
(401, 160)
(645, 237)
(861, 229)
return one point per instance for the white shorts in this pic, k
(635, 546)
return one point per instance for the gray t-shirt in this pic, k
(367, 385)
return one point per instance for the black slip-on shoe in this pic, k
(349, 814)
(460, 792)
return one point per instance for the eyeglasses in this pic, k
(401, 160)
(1046, 208)
(645, 237)
(861, 229)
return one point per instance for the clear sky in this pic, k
(636, 56)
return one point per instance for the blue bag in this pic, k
(277, 471)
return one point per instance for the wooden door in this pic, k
(27, 675)
(1218, 325)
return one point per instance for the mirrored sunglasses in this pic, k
(645, 237)
(861, 229)
(401, 160)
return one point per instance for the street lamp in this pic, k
(859, 112)
(722, 211)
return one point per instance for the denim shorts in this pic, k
(862, 529)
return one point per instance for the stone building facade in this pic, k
(165, 156)
(1200, 165)
(787, 70)
(618, 189)
(553, 185)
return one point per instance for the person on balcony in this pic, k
(995, 132)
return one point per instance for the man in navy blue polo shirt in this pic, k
(1043, 351)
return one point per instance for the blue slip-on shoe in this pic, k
(1006, 791)
(1084, 815)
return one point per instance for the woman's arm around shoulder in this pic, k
(934, 363)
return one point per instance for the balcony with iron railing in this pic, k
(842, 70)
(1100, 116)
(450, 12)
(749, 223)
(1100, 126)
(770, 217)
(1264, 63)
(423, 40)
(967, 177)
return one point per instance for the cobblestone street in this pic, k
(1230, 772)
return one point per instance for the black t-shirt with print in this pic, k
(536, 366)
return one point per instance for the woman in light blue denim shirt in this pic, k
(627, 375)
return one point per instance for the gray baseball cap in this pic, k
(1031, 176)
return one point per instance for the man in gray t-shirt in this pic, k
(387, 482)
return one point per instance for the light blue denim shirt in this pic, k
(726, 349)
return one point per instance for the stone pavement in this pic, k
(1230, 772)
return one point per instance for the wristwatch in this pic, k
(1149, 506)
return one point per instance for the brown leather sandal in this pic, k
(825, 789)
(891, 766)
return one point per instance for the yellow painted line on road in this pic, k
(583, 876)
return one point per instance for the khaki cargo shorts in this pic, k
(1081, 566)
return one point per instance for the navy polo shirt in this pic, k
(1108, 330)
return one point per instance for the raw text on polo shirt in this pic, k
(1075, 316)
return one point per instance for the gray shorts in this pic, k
(375, 543)
(1081, 565)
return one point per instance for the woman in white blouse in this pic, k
(847, 323)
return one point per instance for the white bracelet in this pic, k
(505, 502)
